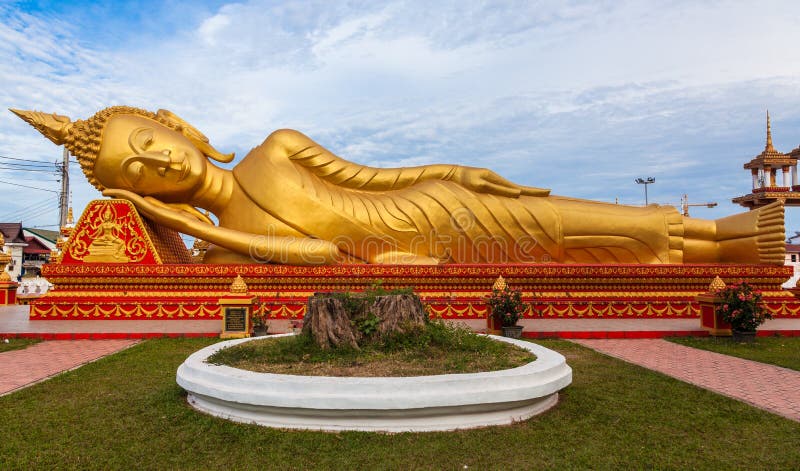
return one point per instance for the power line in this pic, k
(18, 165)
(30, 214)
(26, 186)
(19, 169)
(39, 213)
(22, 160)
(23, 211)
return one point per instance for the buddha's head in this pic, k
(155, 154)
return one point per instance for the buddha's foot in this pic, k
(753, 237)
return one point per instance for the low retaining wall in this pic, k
(398, 404)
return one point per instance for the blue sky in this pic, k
(580, 97)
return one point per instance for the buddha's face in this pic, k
(148, 158)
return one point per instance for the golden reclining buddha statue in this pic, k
(291, 201)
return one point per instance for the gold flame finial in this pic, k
(53, 126)
(499, 283)
(238, 286)
(70, 218)
(716, 285)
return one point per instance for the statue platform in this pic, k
(192, 291)
(116, 264)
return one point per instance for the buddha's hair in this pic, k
(85, 136)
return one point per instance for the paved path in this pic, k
(20, 368)
(769, 387)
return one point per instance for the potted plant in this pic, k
(259, 322)
(507, 307)
(742, 307)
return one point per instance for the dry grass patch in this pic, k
(439, 349)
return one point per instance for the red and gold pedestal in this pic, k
(192, 291)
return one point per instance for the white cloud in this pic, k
(209, 29)
(580, 97)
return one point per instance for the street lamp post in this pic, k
(645, 182)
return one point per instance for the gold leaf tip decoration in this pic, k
(238, 286)
(716, 284)
(499, 283)
(52, 126)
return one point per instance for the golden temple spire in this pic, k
(768, 147)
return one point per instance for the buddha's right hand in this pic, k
(262, 248)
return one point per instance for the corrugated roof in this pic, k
(50, 236)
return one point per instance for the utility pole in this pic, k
(63, 198)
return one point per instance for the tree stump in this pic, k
(328, 322)
(399, 313)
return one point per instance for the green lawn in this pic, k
(781, 351)
(16, 344)
(126, 412)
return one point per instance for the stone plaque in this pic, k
(235, 319)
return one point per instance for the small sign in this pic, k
(235, 319)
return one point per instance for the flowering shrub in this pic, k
(257, 317)
(506, 306)
(742, 307)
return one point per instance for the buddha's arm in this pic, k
(279, 249)
(340, 172)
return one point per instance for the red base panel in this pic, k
(192, 291)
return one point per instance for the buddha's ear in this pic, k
(198, 139)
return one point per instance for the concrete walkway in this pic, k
(765, 386)
(21, 368)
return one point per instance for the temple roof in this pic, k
(770, 157)
(792, 248)
(35, 246)
(12, 232)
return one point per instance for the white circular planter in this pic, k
(397, 404)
